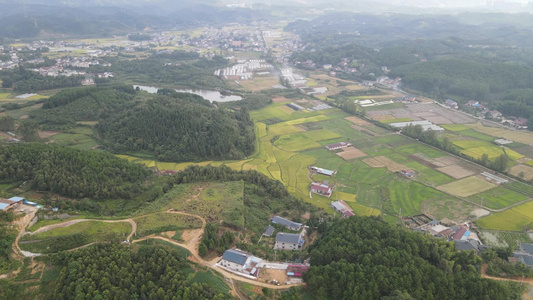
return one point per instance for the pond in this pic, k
(206, 94)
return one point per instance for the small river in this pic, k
(207, 94)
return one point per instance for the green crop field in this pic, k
(476, 134)
(498, 198)
(455, 127)
(515, 219)
(312, 119)
(161, 222)
(283, 128)
(472, 144)
(295, 142)
(491, 151)
(321, 134)
(467, 187)
(422, 149)
(409, 196)
(362, 210)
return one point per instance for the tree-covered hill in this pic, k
(464, 78)
(116, 272)
(365, 258)
(179, 129)
(71, 172)
(84, 104)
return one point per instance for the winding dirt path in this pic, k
(528, 280)
(72, 222)
(191, 244)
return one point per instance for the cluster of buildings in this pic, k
(524, 255)
(484, 112)
(245, 70)
(461, 235)
(248, 265)
(344, 66)
(11, 203)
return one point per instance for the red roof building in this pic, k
(321, 189)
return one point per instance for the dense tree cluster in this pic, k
(250, 102)
(114, 272)
(177, 130)
(499, 163)
(71, 172)
(23, 80)
(7, 124)
(467, 79)
(67, 107)
(163, 69)
(212, 241)
(366, 258)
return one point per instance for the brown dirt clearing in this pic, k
(351, 153)
(357, 121)
(456, 171)
(382, 161)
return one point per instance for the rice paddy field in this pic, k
(515, 219)
(367, 174)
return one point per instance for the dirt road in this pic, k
(515, 279)
(72, 222)
(192, 242)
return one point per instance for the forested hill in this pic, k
(178, 128)
(464, 78)
(71, 172)
(116, 272)
(365, 258)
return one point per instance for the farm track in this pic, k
(191, 245)
(528, 280)
(72, 222)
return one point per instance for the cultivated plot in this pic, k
(382, 161)
(456, 171)
(515, 219)
(349, 153)
(467, 187)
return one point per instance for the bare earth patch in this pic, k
(273, 274)
(383, 117)
(480, 212)
(456, 171)
(357, 121)
(46, 134)
(280, 100)
(382, 161)
(448, 160)
(523, 160)
(350, 153)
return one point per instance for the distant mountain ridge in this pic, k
(108, 17)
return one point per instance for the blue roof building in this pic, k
(4, 206)
(16, 199)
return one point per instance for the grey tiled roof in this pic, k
(291, 238)
(235, 257)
